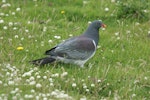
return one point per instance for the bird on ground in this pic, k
(76, 50)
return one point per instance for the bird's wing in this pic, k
(79, 48)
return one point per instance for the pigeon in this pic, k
(76, 50)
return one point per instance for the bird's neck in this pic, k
(93, 34)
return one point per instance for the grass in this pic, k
(120, 68)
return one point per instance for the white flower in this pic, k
(89, 22)
(10, 23)
(16, 36)
(45, 98)
(87, 90)
(64, 74)
(107, 84)
(29, 36)
(85, 2)
(118, 38)
(70, 35)
(7, 15)
(45, 77)
(27, 30)
(133, 95)
(74, 84)
(128, 31)
(106, 9)
(1, 38)
(51, 84)
(89, 76)
(11, 82)
(83, 98)
(3, 1)
(44, 29)
(55, 75)
(13, 13)
(112, 51)
(13, 92)
(1, 21)
(136, 81)
(5, 5)
(117, 33)
(137, 23)
(2, 14)
(27, 74)
(92, 85)
(50, 41)
(27, 96)
(146, 11)
(57, 37)
(50, 79)
(38, 76)
(29, 22)
(1, 82)
(112, 0)
(84, 86)
(32, 91)
(37, 97)
(5, 27)
(99, 81)
(32, 83)
(38, 85)
(15, 28)
(54, 93)
(103, 29)
(18, 9)
(22, 38)
(32, 78)
(145, 78)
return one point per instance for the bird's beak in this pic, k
(104, 26)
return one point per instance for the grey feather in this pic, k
(77, 50)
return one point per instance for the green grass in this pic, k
(119, 70)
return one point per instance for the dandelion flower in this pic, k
(62, 12)
(20, 48)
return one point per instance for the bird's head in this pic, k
(97, 24)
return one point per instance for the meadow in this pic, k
(120, 69)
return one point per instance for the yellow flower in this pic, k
(20, 48)
(62, 12)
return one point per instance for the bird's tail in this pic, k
(43, 61)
